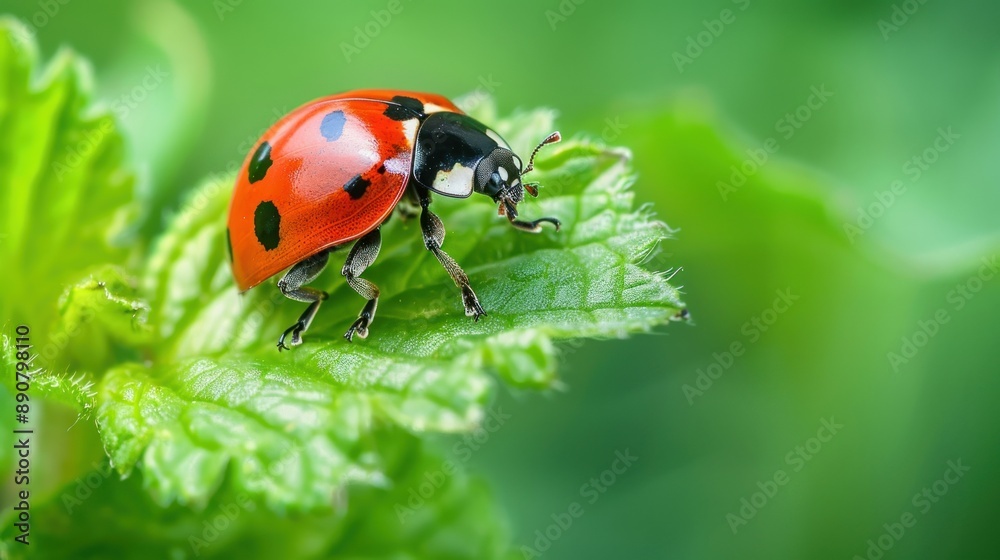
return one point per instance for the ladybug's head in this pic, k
(500, 174)
(456, 155)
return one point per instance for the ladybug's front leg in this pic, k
(433, 231)
(361, 257)
(291, 285)
(510, 210)
(535, 226)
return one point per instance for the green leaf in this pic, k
(64, 204)
(101, 319)
(198, 398)
(190, 389)
(219, 401)
(101, 516)
(64, 193)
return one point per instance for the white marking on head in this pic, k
(503, 173)
(454, 182)
(434, 108)
(496, 138)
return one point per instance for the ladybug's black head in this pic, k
(456, 155)
(499, 176)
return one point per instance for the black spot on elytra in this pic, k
(404, 108)
(333, 125)
(229, 245)
(381, 169)
(260, 162)
(357, 186)
(266, 224)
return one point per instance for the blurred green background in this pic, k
(690, 87)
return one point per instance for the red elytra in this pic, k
(332, 171)
(307, 176)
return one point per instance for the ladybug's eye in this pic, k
(495, 171)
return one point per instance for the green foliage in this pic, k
(219, 398)
(64, 190)
(99, 514)
(193, 402)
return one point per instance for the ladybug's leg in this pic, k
(361, 257)
(433, 231)
(535, 226)
(291, 285)
(508, 209)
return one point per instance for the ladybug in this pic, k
(332, 171)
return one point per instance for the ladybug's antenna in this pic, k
(551, 139)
